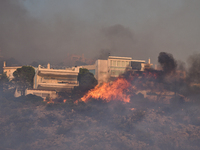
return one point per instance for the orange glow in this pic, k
(48, 102)
(116, 90)
(64, 101)
(76, 102)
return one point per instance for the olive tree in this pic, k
(23, 78)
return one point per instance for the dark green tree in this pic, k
(4, 82)
(23, 78)
(86, 80)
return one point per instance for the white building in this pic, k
(9, 70)
(114, 66)
(48, 81)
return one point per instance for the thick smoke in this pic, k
(181, 65)
(49, 30)
(103, 54)
(119, 39)
(194, 68)
(167, 62)
(118, 31)
(17, 29)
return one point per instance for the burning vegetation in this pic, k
(124, 87)
(139, 110)
(116, 90)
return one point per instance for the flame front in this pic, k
(117, 90)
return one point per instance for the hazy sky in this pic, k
(50, 29)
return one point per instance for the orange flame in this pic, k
(110, 91)
(49, 101)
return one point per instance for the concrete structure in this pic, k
(91, 68)
(42, 93)
(114, 66)
(10, 70)
(55, 79)
(48, 81)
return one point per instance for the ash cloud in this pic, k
(118, 31)
(181, 65)
(49, 30)
(103, 54)
(17, 29)
(119, 38)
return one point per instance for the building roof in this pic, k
(143, 61)
(89, 67)
(12, 67)
(57, 72)
(117, 57)
(126, 58)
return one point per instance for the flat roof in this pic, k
(138, 60)
(118, 57)
(89, 67)
(12, 67)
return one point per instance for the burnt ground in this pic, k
(29, 123)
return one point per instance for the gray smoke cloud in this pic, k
(48, 30)
(194, 68)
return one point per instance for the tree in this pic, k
(4, 81)
(86, 80)
(23, 78)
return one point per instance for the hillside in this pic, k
(30, 123)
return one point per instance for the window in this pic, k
(113, 72)
(116, 72)
(114, 63)
(111, 62)
(92, 71)
(118, 63)
(123, 64)
(136, 65)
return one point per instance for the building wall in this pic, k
(49, 81)
(113, 67)
(118, 65)
(55, 79)
(9, 71)
(42, 93)
(101, 70)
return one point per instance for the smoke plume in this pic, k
(194, 67)
(48, 30)
(167, 62)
